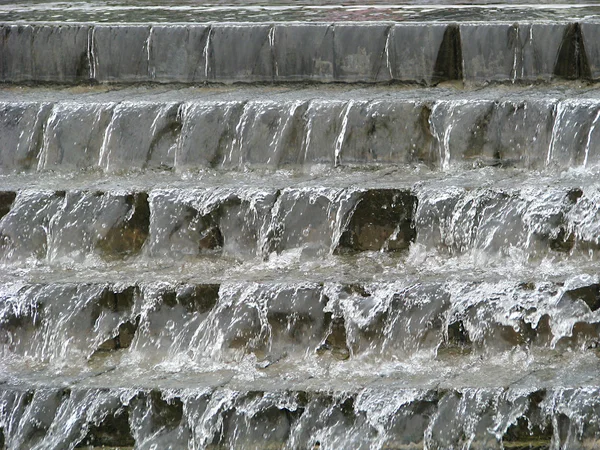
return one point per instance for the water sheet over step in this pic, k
(309, 325)
(236, 128)
(373, 417)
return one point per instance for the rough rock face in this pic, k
(381, 220)
(129, 234)
(113, 431)
(127, 418)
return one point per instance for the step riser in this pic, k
(424, 53)
(531, 134)
(188, 223)
(171, 224)
(372, 418)
(65, 324)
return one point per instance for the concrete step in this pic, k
(426, 52)
(485, 213)
(389, 417)
(282, 326)
(296, 127)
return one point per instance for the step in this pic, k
(303, 326)
(485, 212)
(174, 223)
(291, 127)
(427, 52)
(331, 11)
(376, 416)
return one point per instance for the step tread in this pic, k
(288, 11)
(566, 372)
(289, 268)
(359, 178)
(291, 92)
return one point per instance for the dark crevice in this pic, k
(166, 414)
(425, 154)
(124, 337)
(478, 134)
(118, 302)
(590, 295)
(211, 239)
(381, 220)
(458, 335)
(563, 241)
(448, 64)
(335, 342)
(356, 289)
(347, 408)
(6, 200)
(456, 340)
(113, 431)
(523, 435)
(572, 62)
(574, 195)
(199, 298)
(82, 71)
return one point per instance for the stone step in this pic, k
(485, 213)
(296, 127)
(426, 52)
(379, 416)
(176, 223)
(282, 327)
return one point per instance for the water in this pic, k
(326, 11)
(209, 245)
(285, 335)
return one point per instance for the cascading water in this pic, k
(206, 244)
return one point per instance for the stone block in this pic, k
(120, 53)
(241, 53)
(178, 53)
(359, 52)
(304, 52)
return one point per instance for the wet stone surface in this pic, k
(266, 52)
(381, 220)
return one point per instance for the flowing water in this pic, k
(211, 245)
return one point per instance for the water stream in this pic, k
(356, 243)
